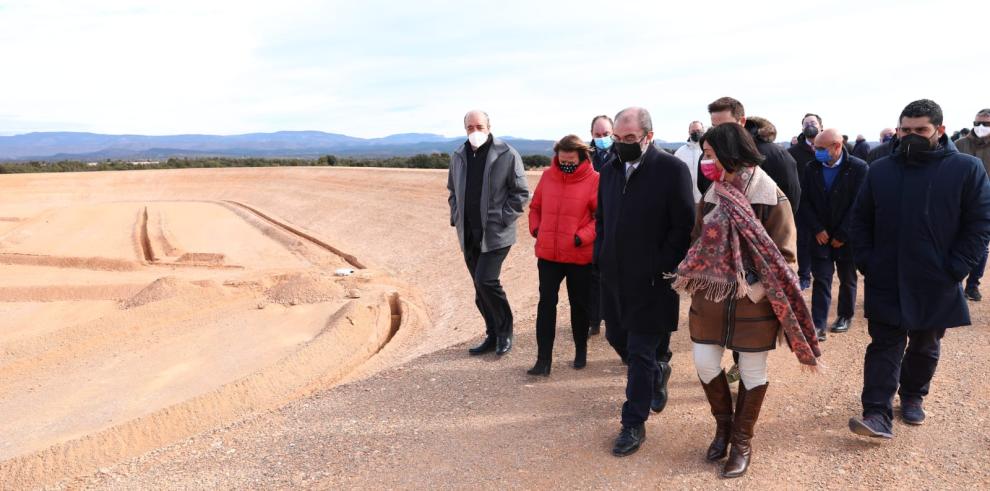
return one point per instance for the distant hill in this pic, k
(93, 146)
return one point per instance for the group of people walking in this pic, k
(629, 228)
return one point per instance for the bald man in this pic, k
(828, 191)
(487, 192)
(643, 226)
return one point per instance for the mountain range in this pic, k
(51, 146)
(93, 146)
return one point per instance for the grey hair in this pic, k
(487, 120)
(644, 119)
(983, 112)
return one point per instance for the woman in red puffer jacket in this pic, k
(562, 218)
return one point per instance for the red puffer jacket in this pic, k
(564, 206)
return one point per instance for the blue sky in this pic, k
(541, 69)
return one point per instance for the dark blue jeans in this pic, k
(824, 264)
(889, 365)
(977, 274)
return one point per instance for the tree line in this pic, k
(421, 161)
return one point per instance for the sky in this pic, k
(541, 69)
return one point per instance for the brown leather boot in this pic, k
(720, 400)
(748, 406)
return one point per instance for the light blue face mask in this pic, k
(604, 142)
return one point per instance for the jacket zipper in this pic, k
(730, 310)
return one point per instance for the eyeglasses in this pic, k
(981, 123)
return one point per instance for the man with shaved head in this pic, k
(487, 192)
(887, 137)
(643, 223)
(831, 184)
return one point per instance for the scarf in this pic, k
(733, 242)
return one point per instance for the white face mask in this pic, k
(477, 139)
(981, 131)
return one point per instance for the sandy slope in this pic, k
(422, 414)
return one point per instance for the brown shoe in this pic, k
(720, 400)
(748, 406)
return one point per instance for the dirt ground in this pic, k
(142, 360)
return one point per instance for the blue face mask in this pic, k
(821, 155)
(603, 143)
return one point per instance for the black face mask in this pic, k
(567, 168)
(628, 152)
(914, 147)
(810, 132)
(695, 136)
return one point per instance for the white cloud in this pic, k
(541, 69)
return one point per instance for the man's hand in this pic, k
(836, 243)
(822, 237)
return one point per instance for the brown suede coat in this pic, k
(740, 324)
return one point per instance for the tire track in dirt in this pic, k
(349, 258)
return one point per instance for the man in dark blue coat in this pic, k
(644, 220)
(920, 224)
(601, 144)
(831, 184)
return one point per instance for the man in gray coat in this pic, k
(487, 184)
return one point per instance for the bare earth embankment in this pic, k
(185, 329)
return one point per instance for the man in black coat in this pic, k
(831, 184)
(804, 154)
(922, 220)
(862, 149)
(777, 164)
(644, 220)
(887, 137)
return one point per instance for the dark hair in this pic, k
(819, 118)
(573, 143)
(728, 104)
(601, 116)
(923, 108)
(733, 145)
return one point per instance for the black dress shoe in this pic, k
(595, 329)
(973, 294)
(503, 345)
(841, 325)
(580, 358)
(541, 369)
(659, 400)
(629, 440)
(487, 345)
(821, 334)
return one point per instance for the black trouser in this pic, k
(489, 296)
(578, 279)
(888, 365)
(595, 299)
(823, 268)
(805, 241)
(977, 274)
(641, 352)
(618, 338)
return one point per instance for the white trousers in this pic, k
(752, 366)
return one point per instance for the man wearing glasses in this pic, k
(977, 144)
(644, 220)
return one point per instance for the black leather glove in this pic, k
(536, 232)
(577, 241)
